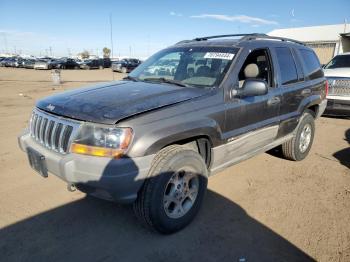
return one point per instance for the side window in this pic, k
(256, 66)
(288, 70)
(312, 65)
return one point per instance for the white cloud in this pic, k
(172, 13)
(237, 18)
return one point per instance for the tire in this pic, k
(299, 146)
(154, 206)
(124, 70)
(101, 67)
(76, 67)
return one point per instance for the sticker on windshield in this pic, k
(214, 55)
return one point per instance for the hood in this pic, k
(337, 72)
(109, 103)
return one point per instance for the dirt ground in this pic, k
(264, 209)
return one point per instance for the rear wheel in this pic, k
(299, 146)
(172, 195)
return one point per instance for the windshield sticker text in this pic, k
(226, 56)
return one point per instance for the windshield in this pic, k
(339, 61)
(191, 66)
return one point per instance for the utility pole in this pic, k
(111, 26)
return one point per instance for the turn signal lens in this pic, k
(96, 151)
(327, 87)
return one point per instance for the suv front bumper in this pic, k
(112, 179)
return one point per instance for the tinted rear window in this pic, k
(312, 65)
(288, 70)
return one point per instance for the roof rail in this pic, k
(244, 37)
(264, 36)
(221, 36)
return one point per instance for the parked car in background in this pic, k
(43, 64)
(155, 140)
(7, 62)
(337, 72)
(18, 62)
(65, 63)
(29, 63)
(90, 64)
(105, 63)
(125, 65)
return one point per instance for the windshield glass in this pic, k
(192, 66)
(339, 61)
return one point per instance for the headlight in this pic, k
(102, 141)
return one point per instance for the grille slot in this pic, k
(339, 87)
(52, 132)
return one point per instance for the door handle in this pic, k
(306, 91)
(273, 101)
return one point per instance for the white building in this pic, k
(326, 40)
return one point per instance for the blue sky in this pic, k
(142, 27)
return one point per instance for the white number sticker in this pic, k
(226, 56)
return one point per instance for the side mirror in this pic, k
(251, 87)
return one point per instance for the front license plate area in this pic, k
(37, 162)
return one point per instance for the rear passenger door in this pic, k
(291, 82)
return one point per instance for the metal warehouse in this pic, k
(326, 40)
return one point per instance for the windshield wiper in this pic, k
(135, 79)
(165, 80)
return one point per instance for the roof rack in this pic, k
(264, 36)
(244, 37)
(221, 36)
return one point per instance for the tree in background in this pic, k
(85, 54)
(106, 52)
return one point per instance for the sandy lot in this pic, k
(264, 209)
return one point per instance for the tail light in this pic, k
(327, 87)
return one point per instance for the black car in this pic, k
(105, 63)
(154, 140)
(125, 65)
(90, 64)
(65, 63)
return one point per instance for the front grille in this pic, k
(51, 131)
(339, 87)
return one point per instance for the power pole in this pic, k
(111, 25)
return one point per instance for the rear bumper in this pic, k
(112, 179)
(339, 106)
(322, 108)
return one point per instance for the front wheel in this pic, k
(173, 192)
(299, 146)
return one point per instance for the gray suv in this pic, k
(154, 138)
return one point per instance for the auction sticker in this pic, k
(214, 55)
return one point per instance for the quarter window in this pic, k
(288, 70)
(312, 65)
